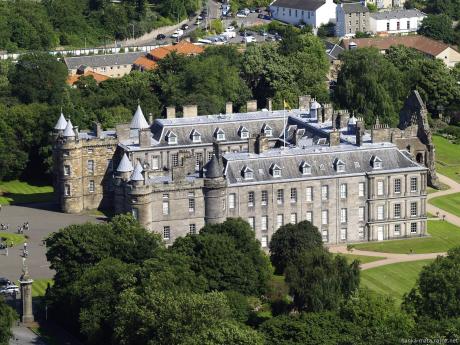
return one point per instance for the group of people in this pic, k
(23, 227)
(5, 227)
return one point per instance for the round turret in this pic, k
(125, 167)
(214, 192)
(136, 177)
(68, 131)
(138, 122)
(61, 124)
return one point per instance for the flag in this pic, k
(286, 105)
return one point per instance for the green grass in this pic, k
(362, 258)
(18, 192)
(395, 279)
(39, 287)
(444, 236)
(15, 238)
(449, 203)
(447, 158)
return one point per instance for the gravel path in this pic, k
(454, 188)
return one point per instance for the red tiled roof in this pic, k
(183, 47)
(421, 43)
(145, 63)
(72, 79)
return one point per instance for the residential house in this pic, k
(427, 46)
(85, 72)
(399, 21)
(311, 12)
(351, 18)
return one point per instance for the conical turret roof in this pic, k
(137, 173)
(213, 168)
(139, 121)
(69, 132)
(61, 124)
(125, 164)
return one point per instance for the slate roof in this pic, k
(102, 60)
(125, 164)
(307, 5)
(61, 124)
(214, 168)
(357, 162)
(138, 121)
(398, 14)
(69, 132)
(137, 173)
(334, 52)
(354, 7)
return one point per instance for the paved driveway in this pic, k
(42, 222)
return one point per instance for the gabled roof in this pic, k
(308, 5)
(99, 78)
(138, 121)
(354, 7)
(183, 47)
(102, 60)
(61, 124)
(398, 14)
(137, 173)
(194, 133)
(69, 132)
(146, 63)
(125, 164)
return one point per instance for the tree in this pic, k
(439, 27)
(290, 240)
(38, 77)
(7, 317)
(320, 282)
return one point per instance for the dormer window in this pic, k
(220, 134)
(243, 132)
(376, 162)
(339, 165)
(196, 136)
(275, 170)
(305, 168)
(247, 172)
(267, 130)
(171, 138)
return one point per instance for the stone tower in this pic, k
(26, 281)
(214, 190)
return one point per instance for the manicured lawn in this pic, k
(15, 238)
(447, 158)
(39, 287)
(362, 259)
(449, 203)
(444, 236)
(18, 192)
(394, 279)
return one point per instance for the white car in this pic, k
(177, 33)
(230, 28)
(9, 290)
(249, 39)
(241, 15)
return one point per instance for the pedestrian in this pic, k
(25, 245)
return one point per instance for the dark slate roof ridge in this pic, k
(309, 5)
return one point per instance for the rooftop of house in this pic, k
(334, 52)
(102, 60)
(398, 14)
(72, 79)
(354, 7)
(183, 47)
(307, 5)
(145, 63)
(421, 43)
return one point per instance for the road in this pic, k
(454, 187)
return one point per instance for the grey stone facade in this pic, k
(269, 167)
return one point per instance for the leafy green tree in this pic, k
(437, 330)
(320, 282)
(7, 317)
(290, 240)
(239, 306)
(448, 7)
(12, 159)
(438, 27)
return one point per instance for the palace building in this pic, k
(270, 167)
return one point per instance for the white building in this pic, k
(396, 21)
(311, 12)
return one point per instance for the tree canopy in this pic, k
(7, 317)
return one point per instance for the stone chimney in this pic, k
(97, 129)
(334, 120)
(304, 102)
(359, 132)
(327, 112)
(150, 118)
(380, 132)
(145, 137)
(190, 110)
(269, 104)
(186, 167)
(251, 105)
(228, 108)
(334, 138)
(344, 117)
(170, 112)
(77, 133)
(297, 135)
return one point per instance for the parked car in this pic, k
(4, 282)
(198, 22)
(200, 17)
(258, 10)
(260, 16)
(230, 28)
(178, 33)
(161, 37)
(241, 15)
(249, 39)
(9, 290)
(184, 27)
(246, 11)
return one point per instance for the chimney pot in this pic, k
(190, 110)
(251, 106)
(170, 112)
(228, 108)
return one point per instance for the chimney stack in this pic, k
(251, 106)
(190, 110)
(97, 129)
(304, 102)
(261, 144)
(229, 108)
(170, 112)
(269, 104)
(145, 137)
(334, 138)
(359, 132)
(327, 112)
(150, 118)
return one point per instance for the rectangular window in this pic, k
(175, 159)
(280, 196)
(380, 212)
(388, 26)
(191, 205)
(165, 207)
(210, 153)
(264, 198)
(67, 170)
(293, 195)
(397, 186)
(413, 209)
(166, 232)
(67, 190)
(293, 218)
(324, 193)
(309, 216)
(408, 24)
(279, 220)
(361, 232)
(397, 229)
(231, 200)
(264, 223)
(135, 213)
(91, 166)
(379, 187)
(413, 228)
(91, 186)
(324, 235)
(198, 160)
(264, 241)
(192, 229)
(343, 215)
(309, 194)
(413, 184)
(397, 25)
(155, 162)
(343, 234)
(252, 222)
(361, 213)
(90, 150)
(251, 198)
(361, 189)
(343, 191)
(324, 217)
(397, 211)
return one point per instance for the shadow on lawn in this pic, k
(21, 199)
